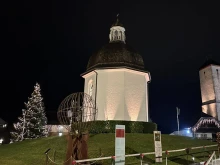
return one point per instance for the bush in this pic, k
(130, 126)
(149, 127)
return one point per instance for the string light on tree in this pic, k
(32, 123)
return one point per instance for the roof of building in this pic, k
(205, 115)
(207, 125)
(209, 62)
(116, 54)
(2, 121)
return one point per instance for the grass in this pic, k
(31, 152)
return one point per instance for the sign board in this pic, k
(158, 146)
(120, 144)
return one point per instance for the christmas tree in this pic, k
(33, 122)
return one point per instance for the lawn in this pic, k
(31, 152)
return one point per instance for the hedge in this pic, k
(130, 126)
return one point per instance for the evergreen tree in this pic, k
(33, 122)
(37, 116)
(20, 128)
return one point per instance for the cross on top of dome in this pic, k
(117, 23)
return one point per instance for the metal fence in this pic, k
(211, 160)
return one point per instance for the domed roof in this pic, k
(116, 54)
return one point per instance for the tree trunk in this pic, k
(69, 150)
(84, 150)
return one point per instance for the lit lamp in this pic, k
(60, 130)
(1, 140)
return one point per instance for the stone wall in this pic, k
(210, 90)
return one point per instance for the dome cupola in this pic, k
(116, 53)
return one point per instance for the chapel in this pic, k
(117, 81)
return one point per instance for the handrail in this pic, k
(209, 160)
(138, 154)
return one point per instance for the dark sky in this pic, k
(50, 42)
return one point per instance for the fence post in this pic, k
(46, 159)
(113, 160)
(204, 151)
(46, 152)
(187, 152)
(141, 157)
(167, 153)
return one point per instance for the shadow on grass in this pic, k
(179, 160)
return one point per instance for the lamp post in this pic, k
(178, 113)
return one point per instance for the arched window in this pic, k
(112, 35)
(90, 88)
(116, 34)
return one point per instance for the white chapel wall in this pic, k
(121, 94)
(136, 96)
(110, 94)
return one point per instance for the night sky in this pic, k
(50, 42)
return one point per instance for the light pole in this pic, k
(178, 113)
